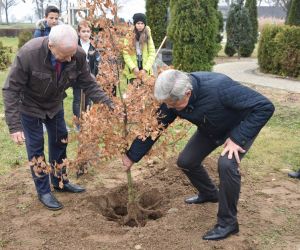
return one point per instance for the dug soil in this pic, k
(88, 220)
(269, 209)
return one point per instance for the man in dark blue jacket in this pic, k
(225, 113)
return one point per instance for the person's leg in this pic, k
(76, 101)
(34, 140)
(57, 142)
(229, 189)
(190, 161)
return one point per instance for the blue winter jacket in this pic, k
(42, 29)
(220, 108)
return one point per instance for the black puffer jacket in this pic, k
(220, 108)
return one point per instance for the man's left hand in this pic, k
(232, 149)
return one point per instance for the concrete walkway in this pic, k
(247, 72)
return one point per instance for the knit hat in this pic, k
(139, 17)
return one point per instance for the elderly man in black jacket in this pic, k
(225, 113)
(33, 94)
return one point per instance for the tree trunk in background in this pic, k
(38, 9)
(6, 12)
(1, 6)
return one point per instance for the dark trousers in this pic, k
(57, 137)
(77, 102)
(190, 161)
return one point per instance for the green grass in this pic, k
(17, 26)
(10, 41)
(276, 147)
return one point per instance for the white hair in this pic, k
(63, 36)
(172, 84)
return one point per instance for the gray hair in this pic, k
(172, 84)
(63, 36)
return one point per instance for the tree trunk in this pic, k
(1, 5)
(6, 14)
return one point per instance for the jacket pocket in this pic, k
(40, 83)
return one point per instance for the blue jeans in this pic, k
(33, 131)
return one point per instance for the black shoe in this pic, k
(198, 199)
(294, 174)
(69, 187)
(50, 201)
(219, 232)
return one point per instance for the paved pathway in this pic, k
(246, 72)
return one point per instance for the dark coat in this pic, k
(32, 87)
(220, 108)
(93, 57)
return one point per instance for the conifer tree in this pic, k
(251, 5)
(157, 15)
(294, 13)
(193, 29)
(239, 31)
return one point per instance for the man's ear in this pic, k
(188, 93)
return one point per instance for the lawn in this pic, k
(280, 151)
(17, 26)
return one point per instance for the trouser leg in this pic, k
(190, 161)
(76, 101)
(57, 141)
(229, 189)
(33, 131)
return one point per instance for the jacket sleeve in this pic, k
(151, 53)
(258, 110)
(140, 148)
(127, 57)
(12, 93)
(37, 33)
(88, 83)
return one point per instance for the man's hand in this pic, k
(232, 149)
(127, 163)
(18, 137)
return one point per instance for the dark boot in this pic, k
(198, 199)
(218, 232)
(69, 187)
(50, 201)
(295, 175)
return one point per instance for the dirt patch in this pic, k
(268, 212)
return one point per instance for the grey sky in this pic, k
(130, 7)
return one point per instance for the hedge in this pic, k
(5, 56)
(10, 32)
(279, 50)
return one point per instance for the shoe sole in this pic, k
(191, 203)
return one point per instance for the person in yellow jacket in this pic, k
(140, 56)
